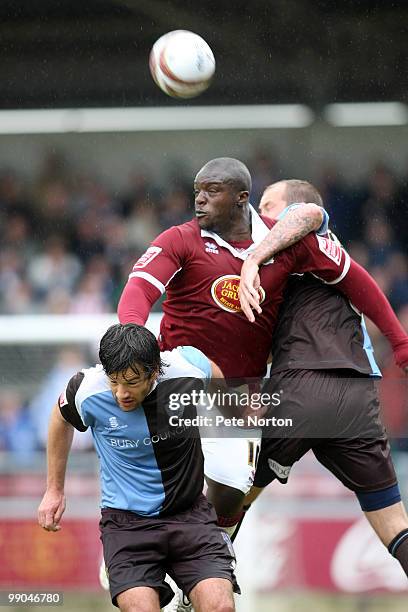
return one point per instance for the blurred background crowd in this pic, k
(68, 243)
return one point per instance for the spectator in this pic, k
(342, 207)
(142, 226)
(397, 271)
(69, 361)
(264, 171)
(55, 267)
(175, 208)
(379, 239)
(17, 431)
(90, 297)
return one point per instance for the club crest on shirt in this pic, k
(147, 257)
(330, 248)
(224, 292)
(114, 424)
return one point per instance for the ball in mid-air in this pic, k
(182, 64)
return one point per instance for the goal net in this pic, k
(33, 346)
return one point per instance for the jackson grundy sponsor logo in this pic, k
(224, 292)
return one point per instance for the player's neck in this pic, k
(236, 236)
(238, 229)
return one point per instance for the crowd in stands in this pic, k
(67, 242)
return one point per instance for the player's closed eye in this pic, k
(133, 383)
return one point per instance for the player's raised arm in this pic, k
(60, 436)
(149, 277)
(297, 223)
(367, 296)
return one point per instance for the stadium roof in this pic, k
(63, 54)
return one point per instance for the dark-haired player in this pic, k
(323, 359)
(154, 516)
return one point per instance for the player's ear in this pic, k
(242, 197)
(154, 376)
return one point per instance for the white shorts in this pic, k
(232, 461)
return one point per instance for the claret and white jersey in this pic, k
(200, 274)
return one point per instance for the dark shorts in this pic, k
(337, 416)
(189, 546)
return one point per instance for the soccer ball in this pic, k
(182, 64)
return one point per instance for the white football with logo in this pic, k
(182, 64)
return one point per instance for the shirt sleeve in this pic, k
(162, 260)
(324, 257)
(136, 301)
(150, 276)
(67, 404)
(367, 296)
(325, 223)
(327, 260)
(197, 358)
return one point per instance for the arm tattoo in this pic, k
(292, 228)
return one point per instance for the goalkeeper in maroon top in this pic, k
(198, 265)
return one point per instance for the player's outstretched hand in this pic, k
(249, 289)
(51, 510)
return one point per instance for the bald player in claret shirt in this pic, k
(198, 265)
(200, 274)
